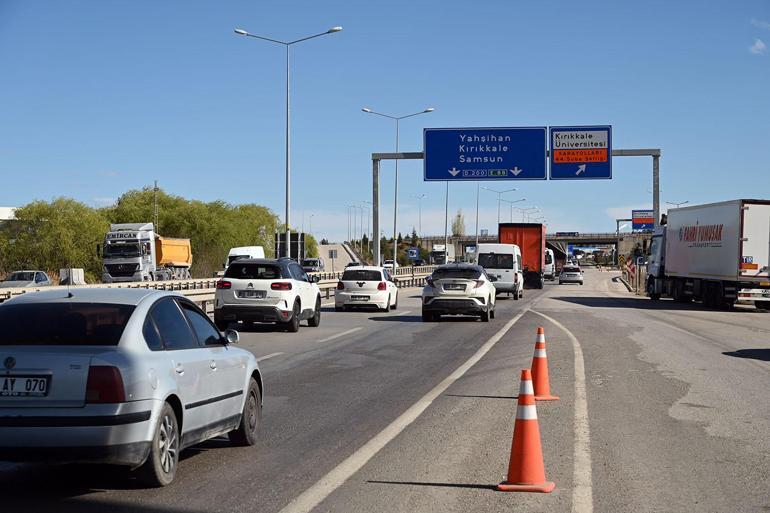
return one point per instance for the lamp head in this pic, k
(333, 29)
(241, 32)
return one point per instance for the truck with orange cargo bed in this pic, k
(530, 237)
(134, 252)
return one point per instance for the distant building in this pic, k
(7, 213)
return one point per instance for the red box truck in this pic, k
(530, 237)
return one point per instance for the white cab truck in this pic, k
(134, 252)
(710, 252)
(244, 252)
(549, 268)
(442, 254)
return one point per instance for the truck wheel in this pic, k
(427, 316)
(516, 295)
(541, 283)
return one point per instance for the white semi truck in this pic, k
(710, 252)
(134, 252)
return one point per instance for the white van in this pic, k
(549, 269)
(503, 261)
(244, 252)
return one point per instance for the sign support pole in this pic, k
(377, 157)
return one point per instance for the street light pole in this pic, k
(499, 195)
(677, 204)
(288, 44)
(395, 194)
(419, 210)
(512, 203)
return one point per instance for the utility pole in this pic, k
(155, 207)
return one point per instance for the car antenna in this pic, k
(69, 281)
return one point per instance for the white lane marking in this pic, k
(328, 304)
(582, 491)
(314, 495)
(338, 335)
(268, 356)
(406, 312)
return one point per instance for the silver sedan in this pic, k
(120, 376)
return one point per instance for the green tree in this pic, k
(54, 235)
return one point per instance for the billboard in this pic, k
(642, 220)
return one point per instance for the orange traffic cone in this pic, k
(540, 370)
(525, 470)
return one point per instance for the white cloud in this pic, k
(761, 24)
(759, 47)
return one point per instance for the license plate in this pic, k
(251, 293)
(360, 298)
(23, 386)
(454, 286)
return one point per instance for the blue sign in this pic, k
(581, 152)
(485, 154)
(413, 253)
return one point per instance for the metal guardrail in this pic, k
(202, 290)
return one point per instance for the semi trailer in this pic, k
(710, 252)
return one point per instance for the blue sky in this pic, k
(102, 96)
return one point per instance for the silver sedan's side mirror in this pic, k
(232, 336)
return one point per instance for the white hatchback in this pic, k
(366, 286)
(126, 377)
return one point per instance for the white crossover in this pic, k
(463, 289)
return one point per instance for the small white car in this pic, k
(454, 289)
(366, 286)
(126, 377)
(260, 290)
(21, 279)
(388, 264)
(571, 274)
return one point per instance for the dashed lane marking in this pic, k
(338, 335)
(268, 356)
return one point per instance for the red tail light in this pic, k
(429, 281)
(281, 285)
(382, 286)
(515, 277)
(479, 283)
(340, 285)
(105, 385)
(222, 284)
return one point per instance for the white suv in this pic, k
(260, 290)
(464, 289)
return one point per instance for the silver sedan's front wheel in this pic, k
(161, 464)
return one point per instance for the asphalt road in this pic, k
(663, 407)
